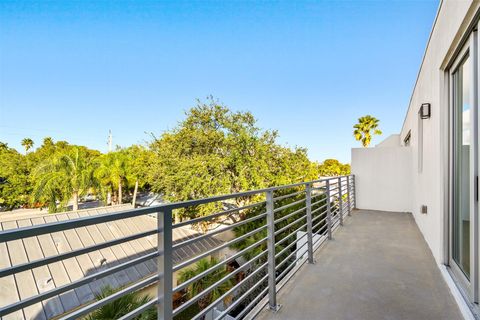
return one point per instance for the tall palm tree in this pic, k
(27, 143)
(206, 281)
(365, 129)
(112, 172)
(65, 176)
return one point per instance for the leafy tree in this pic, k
(15, 186)
(122, 306)
(66, 175)
(206, 281)
(333, 167)
(365, 128)
(27, 143)
(218, 151)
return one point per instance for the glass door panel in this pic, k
(462, 148)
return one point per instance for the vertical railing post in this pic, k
(349, 194)
(272, 287)
(308, 205)
(340, 200)
(329, 212)
(165, 267)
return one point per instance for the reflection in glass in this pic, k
(462, 139)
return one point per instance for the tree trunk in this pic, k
(120, 193)
(135, 194)
(75, 200)
(109, 198)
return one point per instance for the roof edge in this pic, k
(421, 65)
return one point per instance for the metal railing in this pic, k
(272, 232)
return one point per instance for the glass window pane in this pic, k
(462, 148)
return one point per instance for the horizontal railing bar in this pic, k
(288, 195)
(243, 296)
(194, 299)
(290, 245)
(216, 215)
(317, 225)
(319, 216)
(185, 284)
(75, 284)
(289, 256)
(252, 303)
(25, 232)
(209, 252)
(288, 205)
(289, 225)
(189, 203)
(210, 234)
(319, 208)
(289, 235)
(89, 308)
(44, 261)
(289, 215)
(323, 220)
(228, 292)
(138, 311)
(317, 202)
(36, 230)
(318, 195)
(321, 239)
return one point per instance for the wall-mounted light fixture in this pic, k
(425, 111)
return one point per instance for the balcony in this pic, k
(377, 266)
(369, 265)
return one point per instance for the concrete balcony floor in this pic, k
(378, 266)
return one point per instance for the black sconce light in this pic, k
(425, 111)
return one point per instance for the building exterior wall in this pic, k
(382, 177)
(429, 138)
(425, 164)
(391, 141)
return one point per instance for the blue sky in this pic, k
(73, 70)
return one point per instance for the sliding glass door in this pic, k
(463, 257)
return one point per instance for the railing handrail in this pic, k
(36, 230)
(337, 199)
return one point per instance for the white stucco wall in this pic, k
(418, 175)
(383, 178)
(391, 141)
(429, 182)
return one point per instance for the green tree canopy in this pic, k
(217, 151)
(366, 127)
(333, 167)
(15, 186)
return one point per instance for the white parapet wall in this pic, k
(383, 178)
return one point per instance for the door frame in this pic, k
(470, 50)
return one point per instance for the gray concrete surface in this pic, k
(378, 266)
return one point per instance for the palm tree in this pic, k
(112, 172)
(27, 143)
(68, 174)
(48, 142)
(206, 281)
(363, 129)
(122, 306)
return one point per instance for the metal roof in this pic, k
(29, 283)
